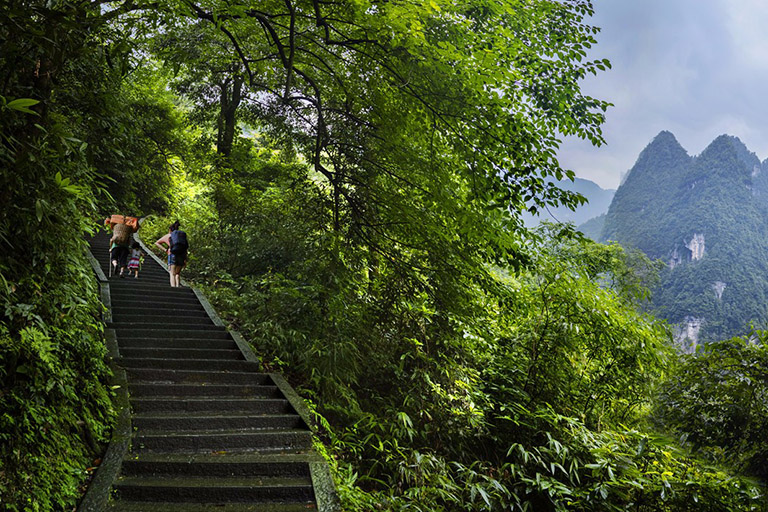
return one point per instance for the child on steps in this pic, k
(135, 262)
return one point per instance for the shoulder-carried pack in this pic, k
(122, 234)
(179, 244)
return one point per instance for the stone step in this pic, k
(139, 287)
(153, 272)
(138, 331)
(167, 422)
(137, 506)
(172, 320)
(149, 306)
(189, 364)
(167, 310)
(197, 376)
(156, 294)
(239, 465)
(222, 441)
(213, 405)
(149, 265)
(154, 303)
(145, 276)
(177, 343)
(198, 390)
(155, 280)
(159, 328)
(181, 353)
(159, 298)
(216, 490)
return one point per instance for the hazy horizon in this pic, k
(694, 69)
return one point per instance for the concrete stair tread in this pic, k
(188, 364)
(233, 416)
(170, 312)
(233, 399)
(195, 405)
(200, 390)
(159, 375)
(203, 373)
(221, 432)
(138, 506)
(190, 350)
(191, 303)
(212, 421)
(220, 354)
(210, 481)
(144, 301)
(190, 343)
(144, 276)
(168, 322)
(163, 325)
(153, 311)
(225, 458)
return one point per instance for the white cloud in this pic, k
(694, 68)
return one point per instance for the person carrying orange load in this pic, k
(119, 245)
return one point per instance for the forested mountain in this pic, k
(705, 217)
(598, 201)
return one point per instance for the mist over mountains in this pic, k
(599, 201)
(706, 217)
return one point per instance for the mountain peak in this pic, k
(664, 153)
(666, 139)
(743, 153)
(706, 216)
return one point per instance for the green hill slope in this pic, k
(703, 216)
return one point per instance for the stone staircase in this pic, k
(208, 430)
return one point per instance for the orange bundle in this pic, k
(131, 222)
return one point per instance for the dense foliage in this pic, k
(718, 403)
(352, 177)
(71, 126)
(54, 407)
(528, 392)
(669, 198)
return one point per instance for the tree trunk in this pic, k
(231, 96)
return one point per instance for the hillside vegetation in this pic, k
(705, 217)
(352, 177)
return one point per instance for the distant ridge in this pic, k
(598, 201)
(706, 218)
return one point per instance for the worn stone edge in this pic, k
(215, 318)
(326, 498)
(98, 493)
(150, 252)
(104, 292)
(325, 490)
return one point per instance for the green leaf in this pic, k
(22, 105)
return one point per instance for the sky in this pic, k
(697, 68)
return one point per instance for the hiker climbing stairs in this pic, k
(209, 431)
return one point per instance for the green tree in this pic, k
(72, 127)
(716, 402)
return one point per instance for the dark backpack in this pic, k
(179, 243)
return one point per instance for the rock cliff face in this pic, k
(696, 246)
(719, 288)
(687, 333)
(707, 218)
